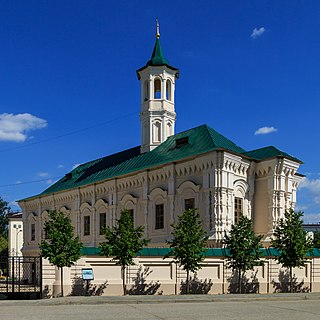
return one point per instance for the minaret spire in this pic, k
(157, 29)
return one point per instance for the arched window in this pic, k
(157, 132)
(168, 90)
(240, 203)
(157, 89)
(146, 90)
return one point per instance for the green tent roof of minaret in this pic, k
(157, 57)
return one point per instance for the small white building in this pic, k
(15, 234)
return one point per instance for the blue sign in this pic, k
(87, 274)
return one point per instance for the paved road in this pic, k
(71, 309)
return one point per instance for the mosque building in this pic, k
(166, 174)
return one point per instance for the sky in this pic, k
(69, 92)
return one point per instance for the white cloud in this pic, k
(313, 187)
(14, 127)
(49, 181)
(43, 174)
(265, 130)
(60, 166)
(257, 32)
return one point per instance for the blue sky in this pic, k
(69, 91)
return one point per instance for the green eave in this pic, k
(210, 252)
(268, 153)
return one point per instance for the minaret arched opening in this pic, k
(168, 90)
(157, 89)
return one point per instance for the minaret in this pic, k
(157, 115)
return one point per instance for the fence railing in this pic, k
(20, 274)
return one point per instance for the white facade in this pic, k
(212, 181)
(15, 232)
(155, 275)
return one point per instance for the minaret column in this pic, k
(156, 107)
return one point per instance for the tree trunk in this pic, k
(61, 280)
(239, 281)
(187, 282)
(291, 286)
(124, 286)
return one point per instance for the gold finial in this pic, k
(157, 29)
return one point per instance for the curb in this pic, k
(98, 300)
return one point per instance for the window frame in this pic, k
(191, 205)
(238, 209)
(159, 216)
(32, 232)
(86, 225)
(102, 225)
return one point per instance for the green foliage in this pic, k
(61, 247)
(4, 211)
(3, 246)
(123, 242)
(243, 248)
(189, 240)
(291, 241)
(316, 239)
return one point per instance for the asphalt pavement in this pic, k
(187, 307)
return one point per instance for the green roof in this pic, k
(269, 152)
(209, 252)
(158, 59)
(199, 140)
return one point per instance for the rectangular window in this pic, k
(159, 223)
(86, 225)
(103, 222)
(189, 204)
(33, 232)
(237, 209)
(131, 213)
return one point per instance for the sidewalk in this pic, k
(158, 299)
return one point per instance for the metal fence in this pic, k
(20, 277)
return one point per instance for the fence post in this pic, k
(12, 273)
(40, 275)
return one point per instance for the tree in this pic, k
(243, 248)
(4, 211)
(316, 239)
(3, 246)
(189, 240)
(123, 242)
(291, 242)
(61, 247)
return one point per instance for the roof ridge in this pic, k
(233, 144)
(267, 147)
(106, 156)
